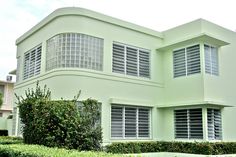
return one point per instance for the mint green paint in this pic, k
(161, 92)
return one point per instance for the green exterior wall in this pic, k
(161, 92)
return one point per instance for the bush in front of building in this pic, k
(58, 123)
(206, 148)
(10, 140)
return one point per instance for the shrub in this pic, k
(10, 140)
(58, 123)
(90, 132)
(22, 150)
(181, 147)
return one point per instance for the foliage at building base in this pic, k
(207, 148)
(59, 123)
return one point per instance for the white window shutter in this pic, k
(144, 63)
(211, 60)
(179, 60)
(186, 61)
(188, 124)
(130, 122)
(214, 124)
(130, 60)
(193, 60)
(32, 62)
(117, 121)
(118, 58)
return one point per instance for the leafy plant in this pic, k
(206, 148)
(59, 123)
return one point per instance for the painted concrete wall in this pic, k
(162, 92)
(7, 106)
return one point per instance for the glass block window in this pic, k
(32, 62)
(211, 60)
(130, 122)
(130, 60)
(188, 124)
(214, 124)
(74, 50)
(186, 61)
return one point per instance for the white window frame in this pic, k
(137, 123)
(186, 60)
(138, 49)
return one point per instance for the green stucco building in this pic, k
(178, 84)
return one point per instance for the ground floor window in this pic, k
(214, 124)
(130, 122)
(188, 123)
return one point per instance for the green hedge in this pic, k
(22, 150)
(206, 148)
(10, 140)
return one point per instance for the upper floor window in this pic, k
(211, 60)
(130, 122)
(130, 60)
(188, 123)
(214, 124)
(32, 62)
(187, 61)
(74, 50)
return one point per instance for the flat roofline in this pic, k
(205, 37)
(13, 72)
(9, 82)
(200, 103)
(67, 11)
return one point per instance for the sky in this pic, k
(18, 16)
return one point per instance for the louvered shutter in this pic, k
(211, 60)
(214, 124)
(195, 124)
(131, 61)
(116, 121)
(179, 59)
(144, 63)
(188, 124)
(193, 59)
(26, 65)
(143, 122)
(38, 60)
(207, 52)
(32, 62)
(14, 112)
(181, 123)
(118, 58)
(130, 121)
(214, 61)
